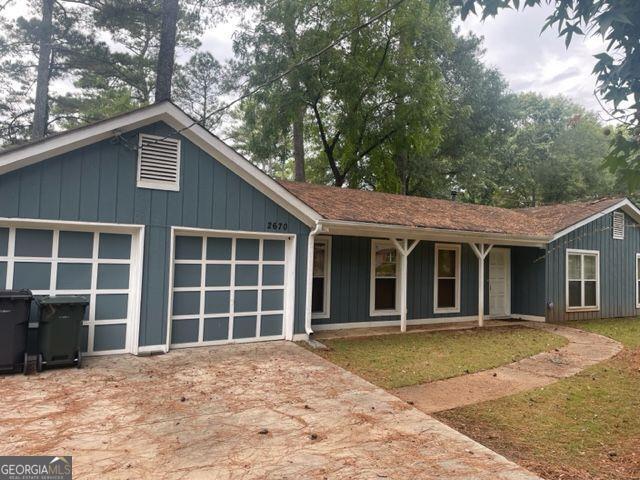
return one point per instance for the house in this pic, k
(178, 241)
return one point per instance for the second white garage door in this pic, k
(228, 289)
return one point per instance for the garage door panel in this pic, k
(111, 307)
(3, 273)
(74, 276)
(217, 301)
(109, 337)
(274, 250)
(185, 331)
(113, 277)
(188, 248)
(218, 275)
(244, 327)
(271, 325)
(246, 275)
(115, 246)
(246, 301)
(31, 275)
(272, 300)
(187, 275)
(273, 275)
(216, 329)
(218, 248)
(244, 283)
(186, 303)
(4, 241)
(75, 245)
(33, 243)
(247, 249)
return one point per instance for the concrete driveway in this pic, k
(248, 411)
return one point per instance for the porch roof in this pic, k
(361, 206)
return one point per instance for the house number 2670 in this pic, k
(278, 226)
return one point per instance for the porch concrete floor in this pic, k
(198, 413)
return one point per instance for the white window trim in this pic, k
(156, 184)
(637, 280)
(326, 302)
(596, 253)
(372, 280)
(458, 250)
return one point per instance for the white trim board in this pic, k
(625, 205)
(167, 112)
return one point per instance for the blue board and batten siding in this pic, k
(97, 183)
(350, 282)
(617, 269)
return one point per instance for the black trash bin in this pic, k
(14, 323)
(60, 330)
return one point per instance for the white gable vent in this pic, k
(158, 162)
(618, 225)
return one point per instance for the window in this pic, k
(384, 275)
(618, 225)
(158, 162)
(447, 279)
(583, 280)
(320, 291)
(637, 280)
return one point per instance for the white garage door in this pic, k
(228, 289)
(94, 264)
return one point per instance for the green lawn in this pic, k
(587, 426)
(392, 361)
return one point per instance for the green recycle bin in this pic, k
(60, 330)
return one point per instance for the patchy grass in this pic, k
(392, 361)
(584, 427)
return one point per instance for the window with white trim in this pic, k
(321, 287)
(618, 225)
(158, 162)
(384, 278)
(637, 280)
(447, 279)
(583, 280)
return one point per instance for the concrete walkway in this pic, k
(583, 350)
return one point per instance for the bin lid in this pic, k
(63, 299)
(16, 294)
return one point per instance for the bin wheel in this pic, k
(79, 361)
(39, 363)
(25, 365)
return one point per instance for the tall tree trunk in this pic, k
(298, 143)
(166, 55)
(41, 107)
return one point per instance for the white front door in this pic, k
(499, 282)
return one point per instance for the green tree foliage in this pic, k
(554, 154)
(617, 69)
(197, 87)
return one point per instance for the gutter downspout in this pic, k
(307, 315)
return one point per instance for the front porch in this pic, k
(370, 282)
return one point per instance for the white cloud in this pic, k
(535, 61)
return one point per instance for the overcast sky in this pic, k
(530, 61)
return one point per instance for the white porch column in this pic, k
(404, 249)
(481, 250)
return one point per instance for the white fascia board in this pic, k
(66, 142)
(625, 205)
(378, 230)
(174, 117)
